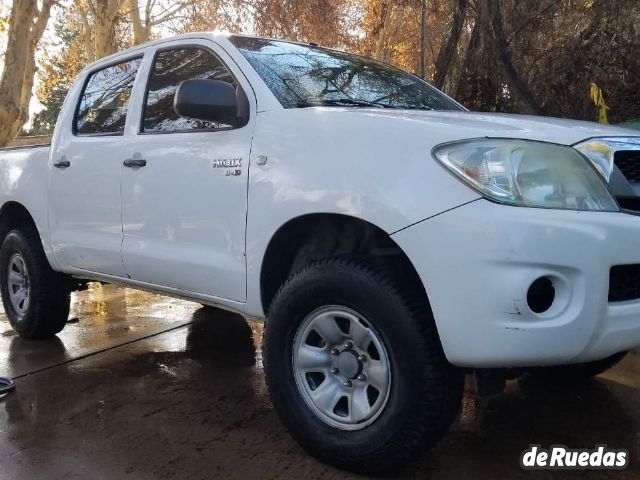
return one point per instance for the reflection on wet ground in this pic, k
(144, 386)
(101, 317)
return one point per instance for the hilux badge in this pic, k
(227, 163)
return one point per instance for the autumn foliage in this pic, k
(544, 57)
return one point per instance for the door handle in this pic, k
(62, 164)
(135, 162)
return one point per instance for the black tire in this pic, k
(426, 390)
(49, 298)
(578, 372)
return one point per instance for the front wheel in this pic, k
(355, 367)
(35, 298)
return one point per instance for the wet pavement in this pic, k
(141, 386)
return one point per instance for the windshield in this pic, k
(305, 75)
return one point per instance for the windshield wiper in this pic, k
(341, 102)
(421, 107)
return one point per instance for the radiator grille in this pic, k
(629, 164)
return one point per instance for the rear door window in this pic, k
(105, 99)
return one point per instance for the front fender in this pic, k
(330, 161)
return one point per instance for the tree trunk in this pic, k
(86, 33)
(381, 42)
(445, 56)
(140, 29)
(516, 84)
(105, 12)
(30, 67)
(423, 22)
(98, 21)
(474, 67)
(26, 27)
(389, 31)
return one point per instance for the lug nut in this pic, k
(335, 371)
(335, 351)
(348, 345)
(362, 377)
(362, 358)
(347, 383)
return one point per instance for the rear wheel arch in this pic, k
(14, 215)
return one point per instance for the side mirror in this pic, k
(211, 100)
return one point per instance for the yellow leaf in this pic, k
(598, 100)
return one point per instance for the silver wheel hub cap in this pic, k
(18, 284)
(341, 367)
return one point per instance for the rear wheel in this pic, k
(355, 367)
(35, 298)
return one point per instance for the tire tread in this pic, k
(411, 440)
(51, 296)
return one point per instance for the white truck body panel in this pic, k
(85, 211)
(181, 209)
(182, 227)
(24, 181)
(495, 252)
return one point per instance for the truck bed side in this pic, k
(24, 180)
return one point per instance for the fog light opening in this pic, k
(541, 295)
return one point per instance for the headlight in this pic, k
(527, 173)
(601, 155)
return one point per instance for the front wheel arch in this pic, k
(316, 236)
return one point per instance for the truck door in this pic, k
(184, 202)
(85, 163)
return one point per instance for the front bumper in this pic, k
(478, 261)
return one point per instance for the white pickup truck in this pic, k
(393, 240)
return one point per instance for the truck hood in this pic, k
(451, 126)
